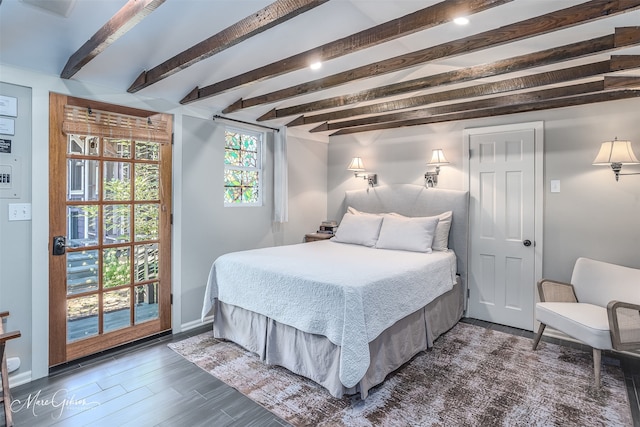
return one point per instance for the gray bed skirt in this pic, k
(317, 358)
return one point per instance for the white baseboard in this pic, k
(19, 379)
(195, 323)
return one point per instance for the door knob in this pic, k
(59, 245)
(527, 242)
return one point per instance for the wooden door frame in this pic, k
(57, 171)
(539, 182)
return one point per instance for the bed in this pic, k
(348, 311)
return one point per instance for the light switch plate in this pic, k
(555, 185)
(19, 211)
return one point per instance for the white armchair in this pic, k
(600, 307)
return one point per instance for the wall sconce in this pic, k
(616, 153)
(437, 159)
(357, 167)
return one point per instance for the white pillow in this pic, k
(441, 238)
(358, 229)
(407, 234)
(354, 211)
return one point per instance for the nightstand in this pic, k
(314, 237)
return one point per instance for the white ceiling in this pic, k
(37, 39)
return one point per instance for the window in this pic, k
(82, 173)
(242, 167)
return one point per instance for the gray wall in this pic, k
(210, 230)
(15, 236)
(592, 216)
(24, 269)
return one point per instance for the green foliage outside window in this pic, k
(242, 161)
(117, 267)
(117, 219)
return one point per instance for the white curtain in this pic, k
(280, 177)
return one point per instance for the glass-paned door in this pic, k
(112, 283)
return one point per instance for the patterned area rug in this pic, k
(472, 377)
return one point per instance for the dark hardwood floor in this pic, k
(147, 384)
(144, 384)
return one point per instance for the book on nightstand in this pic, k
(328, 227)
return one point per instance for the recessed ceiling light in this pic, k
(316, 65)
(461, 20)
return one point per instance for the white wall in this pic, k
(307, 192)
(592, 216)
(210, 229)
(15, 236)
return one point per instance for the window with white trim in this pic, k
(242, 167)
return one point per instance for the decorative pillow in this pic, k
(407, 234)
(354, 211)
(358, 229)
(441, 238)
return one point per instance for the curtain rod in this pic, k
(216, 116)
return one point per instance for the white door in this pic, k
(502, 234)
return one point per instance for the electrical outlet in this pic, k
(19, 211)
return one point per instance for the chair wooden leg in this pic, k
(4, 372)
(597, 357)
(6, 395)
(536, 340)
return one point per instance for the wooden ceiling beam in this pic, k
(498, 101)
(616, 63)
(125, 19)
(426, 18)
(623, 37)
(571, 101)
(543, 24)
(267, 17)
(621, 82)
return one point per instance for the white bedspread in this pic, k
(348, 293)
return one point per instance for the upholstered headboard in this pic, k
(416, 200)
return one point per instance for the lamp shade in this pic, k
(616, 152)
(356, 165)
(437, 158)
